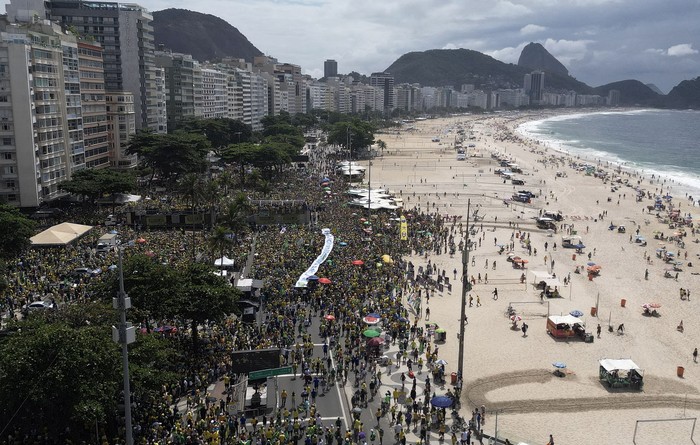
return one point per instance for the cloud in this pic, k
(567, 51)
(509, 54)
(532, 29)
(683, 49)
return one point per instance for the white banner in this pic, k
(327, 247)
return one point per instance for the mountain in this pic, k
(654, 88)
(685, 95)
(454, 67)
(204, 36)
(535, 57)
(632, 92)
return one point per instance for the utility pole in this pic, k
(369, 192)
(466, 287)
(124, 335)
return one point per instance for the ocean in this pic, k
(664, 143)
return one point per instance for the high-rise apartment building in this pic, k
(121, 116)
(94, 107)
(330, 68)
(534, 86)
(385, 82)
(125, 33)
(179, 85)
(36, 151)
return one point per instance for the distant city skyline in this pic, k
(599, 41)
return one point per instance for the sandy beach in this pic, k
(511, 374)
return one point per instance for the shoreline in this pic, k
(687, 182)
(500, 361)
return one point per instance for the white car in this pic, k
(39, 305)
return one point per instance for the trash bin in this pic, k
(679, 371)
(573, 257)
(594, 311)
(453, 378)
(623, 302)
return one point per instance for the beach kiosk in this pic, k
(621, 373)
(566, 326)
(571, 241)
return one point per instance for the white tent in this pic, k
(60, 234)
(622, 364)
(223, 262)
(565, 319)
(539, 275)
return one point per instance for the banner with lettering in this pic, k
(313, 268)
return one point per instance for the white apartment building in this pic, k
(121, 115)
(35, 146)
(210, 92)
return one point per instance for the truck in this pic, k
(107, 242)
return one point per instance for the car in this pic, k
(39, 305)
(517, 182)
(47, 213)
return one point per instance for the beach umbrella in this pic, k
(441, 401)
(373, 314)
(559, 365)
(324, 281)
(387, 259)
(312, 278)
(440, 331)
(150, 254)
(329, 317)
(363, 219)
(370, 333)
(576, 313)
(343, 243)
(515, 318)
(590, 263)
(441, 362)
(113, 232)
(358, 262)
(326, 179)
(580, 246)
(654, 305)
(371, 320)
(376, 341)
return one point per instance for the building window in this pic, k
(6, 141)
(7, 156)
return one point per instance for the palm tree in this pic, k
(235, 216)
(192, 187)
(382, 145)
(220, 241)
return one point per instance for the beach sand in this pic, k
(512, 374)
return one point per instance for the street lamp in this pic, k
(466, 287)
(124, 334)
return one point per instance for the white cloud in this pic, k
(655, 51)
(684, 49)
(567, 51)
(532, 29)
(509, 54)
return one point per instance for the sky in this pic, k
(599, 41)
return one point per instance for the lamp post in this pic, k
(124, 334)
(466, 287)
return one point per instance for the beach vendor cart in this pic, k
(622, 373)
(568, 326)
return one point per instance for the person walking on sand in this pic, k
(478, 301)
(495, 293)
(695, 355)
(598, 330)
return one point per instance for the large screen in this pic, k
(244, 362)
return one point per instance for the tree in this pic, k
(361, 135)
(235, 215)
(94, 183)
(171, 155)
(220, 241)
(242, 154)
(204, 296)
(16, 229)
(53, 371)
(220, 132)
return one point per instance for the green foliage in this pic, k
(94, 183)
(171, 155)
(685, 95)
(361, 135)
(220, 132)
(53, 371)
(16, 229)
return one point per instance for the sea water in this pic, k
(664, 143)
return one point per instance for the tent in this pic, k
(559, 326)
(621, 372)
(60, 234)
(223, 262)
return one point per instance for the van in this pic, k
(107, 242)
